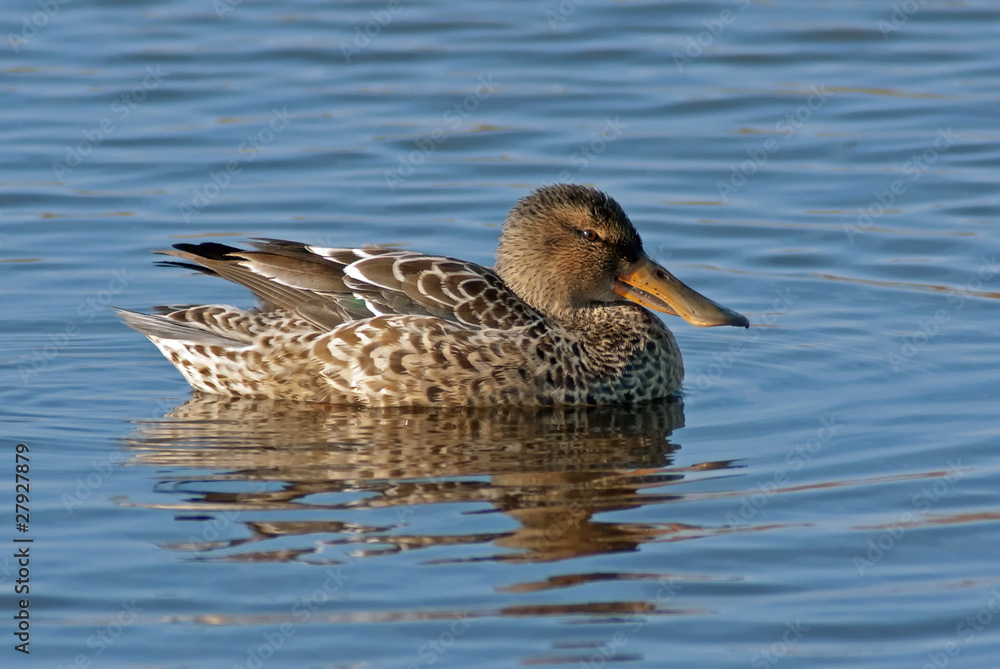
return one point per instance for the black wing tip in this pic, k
(207, 250)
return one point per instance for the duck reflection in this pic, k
(551, 470)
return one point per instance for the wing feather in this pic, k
(332, 286)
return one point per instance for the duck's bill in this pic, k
(652, 286)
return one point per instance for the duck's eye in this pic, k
(590, 235)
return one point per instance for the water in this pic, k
(825, 494)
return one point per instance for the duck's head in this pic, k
(566, 247)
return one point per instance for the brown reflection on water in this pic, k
(325, 469)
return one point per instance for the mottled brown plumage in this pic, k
(558, 321)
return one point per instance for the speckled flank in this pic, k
(379, 327)
(378, 361)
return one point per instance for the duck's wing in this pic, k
(331, 286)
(447, 288)
(282, 275)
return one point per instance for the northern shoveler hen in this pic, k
(561, 319)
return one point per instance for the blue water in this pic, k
(825, 494)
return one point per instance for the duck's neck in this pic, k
(623, 323)
(625, 346)
(552, 298)
(613, 333)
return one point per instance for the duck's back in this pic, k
(356, 326)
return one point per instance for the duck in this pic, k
(564, 317)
